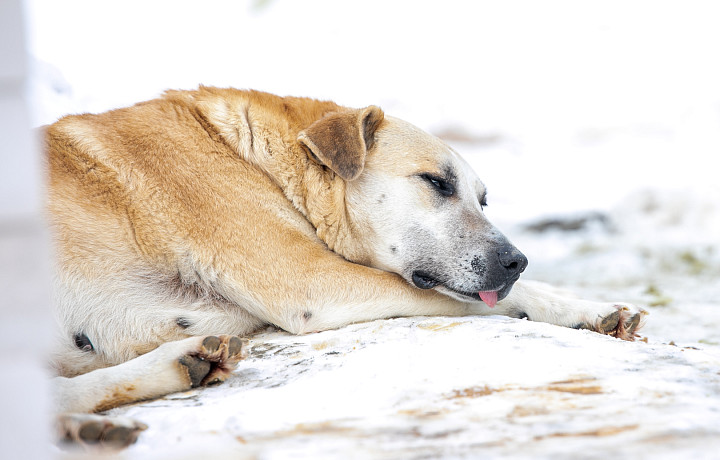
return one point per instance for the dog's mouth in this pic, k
(424, 280)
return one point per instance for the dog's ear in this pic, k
(340, 140)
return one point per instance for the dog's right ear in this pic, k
(341, 140)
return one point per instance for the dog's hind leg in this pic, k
(172, 367)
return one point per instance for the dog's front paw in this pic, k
(213, 359)
(622, 321)
(91, 430)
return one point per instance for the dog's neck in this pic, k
(263, 130)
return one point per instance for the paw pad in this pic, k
(197, 369)
(235, 346)
(214, 360)
(91, 430)
(211, 344)
(632, 324)
(622, 323)
(610, 322)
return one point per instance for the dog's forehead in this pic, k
(407, 147)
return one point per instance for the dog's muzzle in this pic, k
(497, 275)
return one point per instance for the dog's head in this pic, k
(418, 205)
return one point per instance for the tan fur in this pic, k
(167, 192)
(219, 211)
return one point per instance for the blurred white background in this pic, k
(580, 102)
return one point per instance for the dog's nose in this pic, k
(512, 260)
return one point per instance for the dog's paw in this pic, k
(98, 431)
(621, 321)
(213, 359)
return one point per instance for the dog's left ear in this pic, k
(340, 140)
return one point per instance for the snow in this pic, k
(450, 388)
(564, 109)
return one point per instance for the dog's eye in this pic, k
(483, 201)
(444, 187)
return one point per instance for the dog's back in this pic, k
(131, 193)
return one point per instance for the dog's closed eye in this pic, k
(443, 186)
(483, 200)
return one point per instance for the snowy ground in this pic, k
(446, 388)
(604, 117)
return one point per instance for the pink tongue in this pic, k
(489, 297)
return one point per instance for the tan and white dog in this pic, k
(186, 221)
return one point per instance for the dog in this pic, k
(184, 223)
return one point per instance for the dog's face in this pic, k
(423, 206)
(417, 204)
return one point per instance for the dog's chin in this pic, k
(424, 281)
(474, 296)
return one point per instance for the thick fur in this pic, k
(221, 211)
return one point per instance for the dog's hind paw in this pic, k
(98, 431)
(214, 359)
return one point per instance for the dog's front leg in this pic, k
(332, 292)
(540, 302)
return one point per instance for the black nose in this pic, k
(512, 260)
